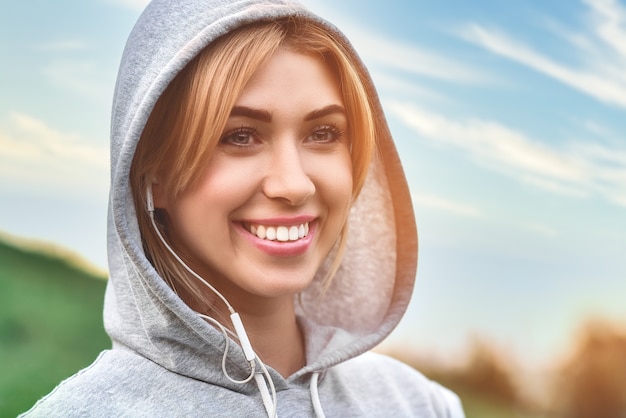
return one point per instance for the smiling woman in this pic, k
(245, 143)
(288, 121)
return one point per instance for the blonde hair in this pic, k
(188, 118)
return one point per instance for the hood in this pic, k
(373, 285)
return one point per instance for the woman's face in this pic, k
(276, 193)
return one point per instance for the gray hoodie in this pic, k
(165, 361)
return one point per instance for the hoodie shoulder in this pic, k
(121, 383)
(401, 390)
(97, 390)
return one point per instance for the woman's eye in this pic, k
(326, 134)
(241, 137)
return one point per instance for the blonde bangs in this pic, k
(200, 99)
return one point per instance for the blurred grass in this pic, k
(50, 323)
(479, 402)
(477, 406)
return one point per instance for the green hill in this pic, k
(50, 322)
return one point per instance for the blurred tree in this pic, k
(484, 382)
(488, 373)
(592, 382)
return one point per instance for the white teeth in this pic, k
(280, 233)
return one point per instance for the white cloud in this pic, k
(597, 128)
(78, 76)
(490, 143)
(620, 200)
(541, 229)
(131, 4)
(574, 38)
(610, 23)
(447, 205)
(553, 186)
(385, 82)
(601, 51)
(379, 50)
(579, 170)
(34, 155)
(63, 45)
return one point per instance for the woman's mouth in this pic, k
(282, 233)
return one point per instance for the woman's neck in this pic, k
(275, 335)
(271, 326)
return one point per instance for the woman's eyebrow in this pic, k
(248, 112)
(265, 116)
(325, 111)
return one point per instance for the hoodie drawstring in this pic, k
(315, 397)
(269, 401)
(265, 395)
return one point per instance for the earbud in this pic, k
(149, 200)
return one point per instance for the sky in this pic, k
(510, 120)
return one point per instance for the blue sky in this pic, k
(510, 118)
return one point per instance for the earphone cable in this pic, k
(240, 333)
(186, 267)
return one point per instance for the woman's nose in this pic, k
(287, 178)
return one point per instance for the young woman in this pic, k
(261, 236)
